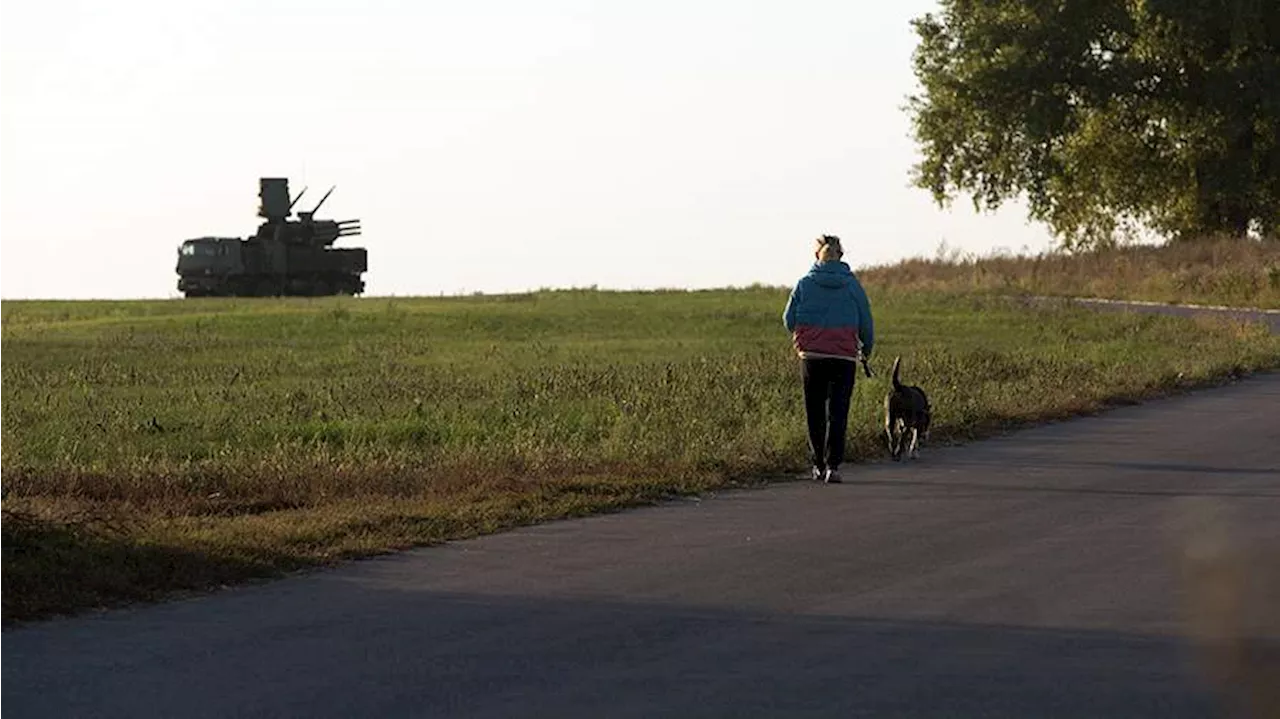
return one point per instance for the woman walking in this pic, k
(829, 318)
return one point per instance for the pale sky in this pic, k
(487, 145)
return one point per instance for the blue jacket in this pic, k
(828, 314)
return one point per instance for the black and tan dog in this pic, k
(907, 415)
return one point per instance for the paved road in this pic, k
(1268, 317)
(1032, 575)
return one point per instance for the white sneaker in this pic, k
(833, 477)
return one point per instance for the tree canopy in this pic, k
(1108, 116)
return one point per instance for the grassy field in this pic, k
(157, 446)
(1227, 272)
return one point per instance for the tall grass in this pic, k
(230, 438)
(1222, 272)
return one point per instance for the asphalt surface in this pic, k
(1269, 317)
(1037, 574)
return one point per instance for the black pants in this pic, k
(828, 385)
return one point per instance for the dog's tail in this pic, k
(897, 385)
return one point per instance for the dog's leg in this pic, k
(915, 440)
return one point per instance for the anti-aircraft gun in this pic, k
(284, 257)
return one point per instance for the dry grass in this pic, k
(1225, 272)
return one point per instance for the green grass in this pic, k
(158, 446)
(1215, 272)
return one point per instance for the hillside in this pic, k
(163, 445)
(1229, 272)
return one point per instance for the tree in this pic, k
(1108, 116)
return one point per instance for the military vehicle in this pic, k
(284, 257)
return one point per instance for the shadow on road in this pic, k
(1138, 466)
(952, 487)
(412, 653)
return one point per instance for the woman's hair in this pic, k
(829, 248)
